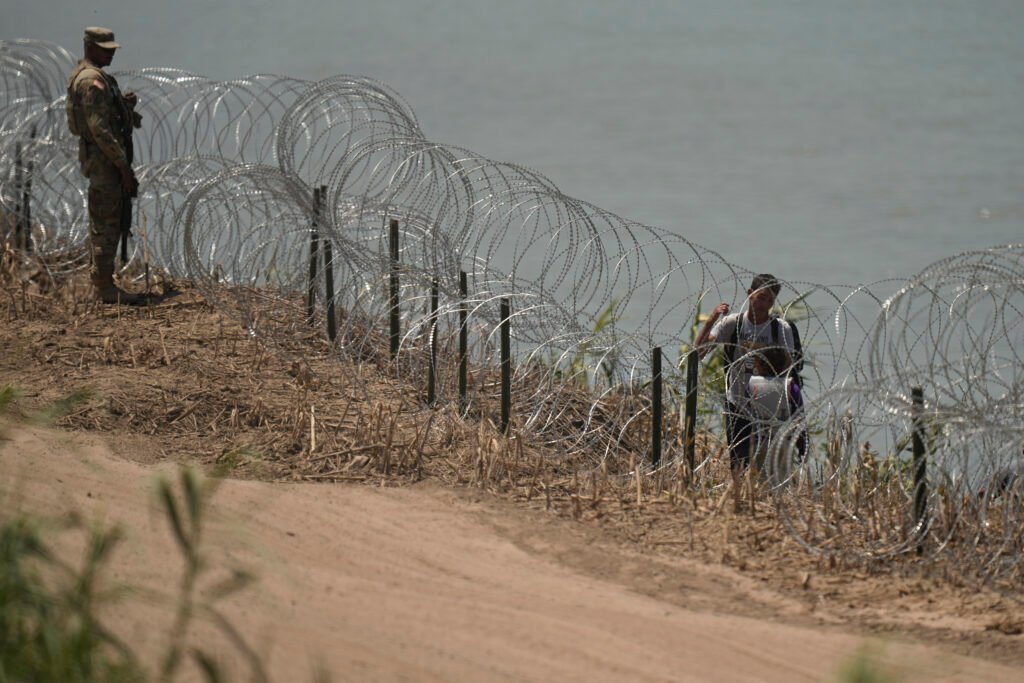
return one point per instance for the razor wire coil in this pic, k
(227, 172)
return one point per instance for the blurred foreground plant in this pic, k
(48, 625)
(185, 514)
(50, 630)
(865, 666)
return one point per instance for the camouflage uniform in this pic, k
(97, 112)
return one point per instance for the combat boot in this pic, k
(106, 291)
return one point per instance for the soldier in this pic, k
(103, 118)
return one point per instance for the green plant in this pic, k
(8, 393)
(711, 372)
(793, 311)
(864, 667)
(586, 360)
(48, 627)
(185, 514)
(63, 406)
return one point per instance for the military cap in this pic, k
(103, 37)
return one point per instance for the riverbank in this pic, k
(419, 522)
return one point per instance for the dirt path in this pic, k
(419, 584)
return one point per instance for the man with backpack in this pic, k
(742, 334)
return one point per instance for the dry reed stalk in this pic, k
(753, 484)
(377, 421)
(486, 460)
(213, 423)
(368, 427)
(390, 441)
(681, 470)
(13, 308)
(726, 495)
(336, 475)
(478, 463)
(636, 477)
(185, 413)
(312, 429)
(344, 414)
(491, 457)
(512, 461)
(259, 409)
(577, 511)
(639, 488)
(534, 478)
(345, 451)
(737, 490)
(419, 446)
(726, 537)
(163, 347)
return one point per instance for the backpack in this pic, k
(732, 348)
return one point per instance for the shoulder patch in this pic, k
(98, 83)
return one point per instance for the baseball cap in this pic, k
(103, 37)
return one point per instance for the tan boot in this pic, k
(105, 290)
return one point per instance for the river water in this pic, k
(830, 142)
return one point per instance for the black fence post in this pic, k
(27, 200)
(332, 321)
(920, 469)
(25, 242)
(19, 184)
(432, 374)
(692, 368)
(314, 246)
(656, 405)
(463, 341)
(506, 366)
(395, 321)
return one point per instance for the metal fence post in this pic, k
(506, 366)
(920, 469)
(463, 340)
(395, 321)
(656, 405)
(690, 424)
(432, 373)
(25, 217)
(19, 184)
(332, 322)
(314, 246)
(27, 200)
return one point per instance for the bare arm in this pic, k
(702, 342)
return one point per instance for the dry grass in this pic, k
(189, 374)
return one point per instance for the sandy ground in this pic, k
(394, 542)
(427, 583)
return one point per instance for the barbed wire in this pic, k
(228, 171)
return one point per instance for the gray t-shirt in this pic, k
(751, 337)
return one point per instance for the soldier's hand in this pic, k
(128, 182)
(131, 98)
